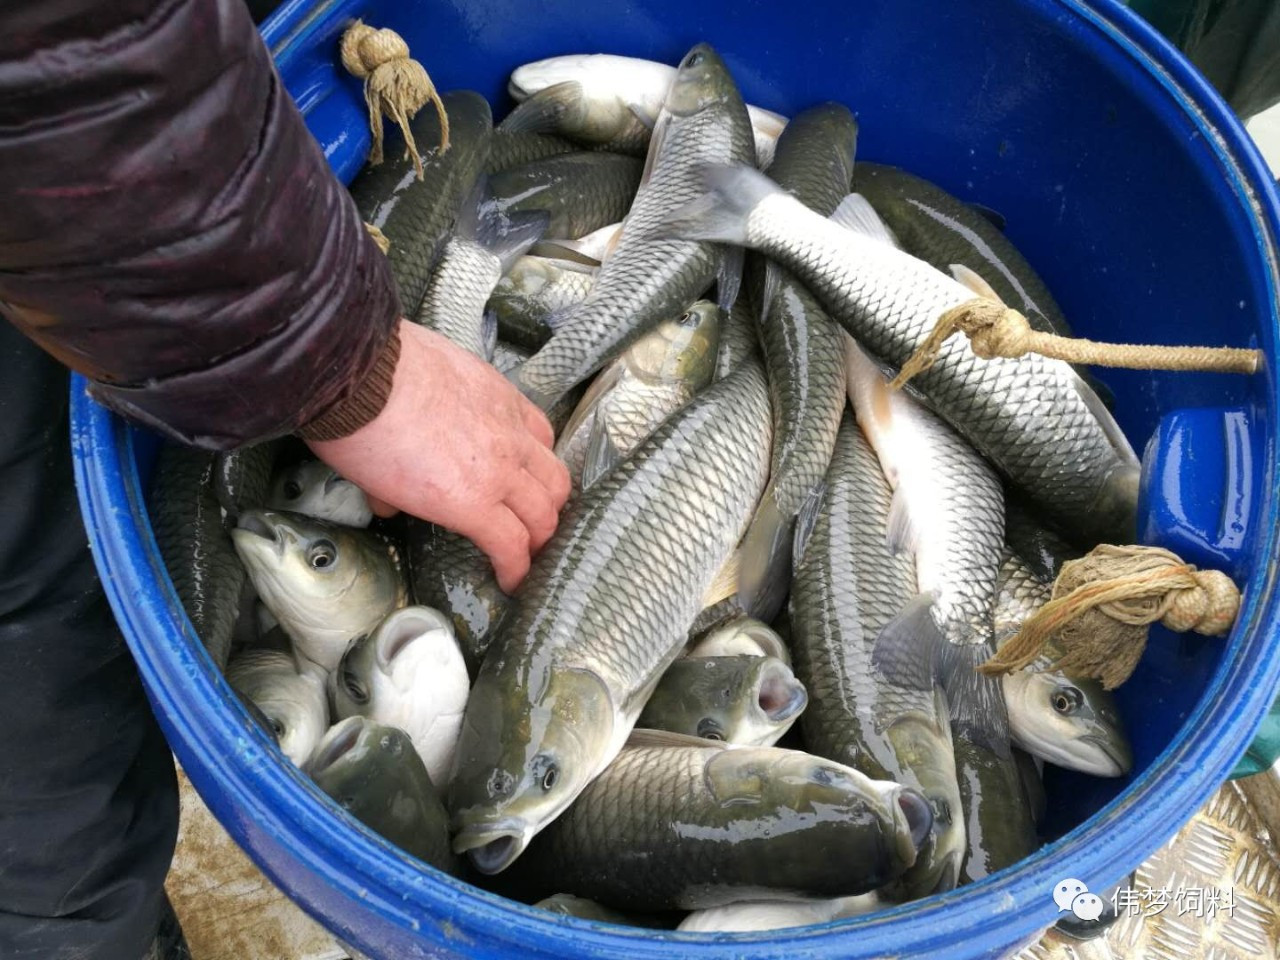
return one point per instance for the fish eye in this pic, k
(292, 490)
(322, 554)
(690, 319)
(694, 59)
(550, 776)
(276, 727)
(355, 689)
(1067, 700)
(708, 729)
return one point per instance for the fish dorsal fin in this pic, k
(602, 453)
(975, 282)
(857, 215)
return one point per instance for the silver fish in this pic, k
(656, 376)
(647, 280)
(314, 489)
(558, 693)
(291, 699)
(1032, 417)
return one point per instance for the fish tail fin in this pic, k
(508, 236)
(912, 652)
(732, 192)
(544, 112)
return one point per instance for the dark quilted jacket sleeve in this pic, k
(171, 230)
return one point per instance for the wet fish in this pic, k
(647, 280)
(606, 99)
(741, 636)
(848, 585)
(567, 905)
(314, 489)
(291, 699)
(750, 915)
(744, 700)
(506, 357)
(417, 216)
(590, 250)
(948, 512)
(701, 825)
(486, 241)
(804, 355)
(1031, 417)
(941, 230)
(241, 477)
(187, 521)
(373, 773)
(656, 376)
(999, 820)
(326, 584)
(580, 192)
(533, 290)
(408, 674)
(740, 338)
(557, 694)
(1069, 721)
(507, 150)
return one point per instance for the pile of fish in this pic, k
(761, 531)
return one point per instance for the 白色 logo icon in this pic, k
(1074, 895)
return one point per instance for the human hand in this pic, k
(457, 444)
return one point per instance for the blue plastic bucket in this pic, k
(1127, 183)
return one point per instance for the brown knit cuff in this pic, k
(364, 403)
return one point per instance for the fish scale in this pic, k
(1058, 451)
(847, 587)
(455, 298)
(645, 280)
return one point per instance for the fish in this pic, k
(567, 905)
(449, 573)
(1069, 721)
(314, 489)
(654, 377)
(590, 250)
(418, 215)
(602, 613)
(533, 290)
(241, 477)
(999, 820)
(1032, 417)
(740, 338)
(372, 772)
(941, 230)
(291, 700)
(746, 916)
(507, 356)
(847, 586)
(804, 355)
(326, 584)
(947, 511)
(607, 99)
(648, 280)
(198, 554)
(507, 150)
(741, 636)
(678, 823)
(580, 192)
(408, 674)
(744, 699)
(487, 240)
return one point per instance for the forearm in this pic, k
(174, 232)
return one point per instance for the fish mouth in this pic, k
(344, 740)
(1115, 761)
(780, 695)
(915, 814)
(334, 481)
(404, 627)
(493, 848)
(251, 523)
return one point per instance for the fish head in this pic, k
(882, 825)
(1068, 721)
(315, 489)
(358, 759)
(682, 349)
(288, 703)
(742, 700)
(702, 81)
(306, 570)
(523, 757)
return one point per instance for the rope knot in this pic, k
(1103, 603)
(394, 85)
(993, 329)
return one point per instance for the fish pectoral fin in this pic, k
(646, 117)
(976, 701)
(772, 281)
(856, 214)
(901, 534)
(657, 138)
(602, 454)
(993, 217)
(489, 334)
(975, 282)
(907, 648)
(1110, 428)
(806, 520)
(543, 112)
(729, 277)
(642, 737)
(566, 255)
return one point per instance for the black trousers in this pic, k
(88, 800)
